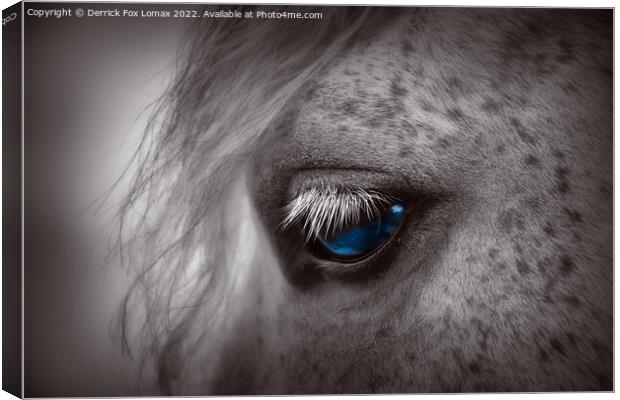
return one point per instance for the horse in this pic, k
(376, 200)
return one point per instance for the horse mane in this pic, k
(232, 79)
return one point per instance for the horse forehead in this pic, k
(428, 90)
(396, 89)
(445, 60)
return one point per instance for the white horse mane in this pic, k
(202, 133)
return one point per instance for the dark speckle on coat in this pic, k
(567, 265)
(397, 89)
(522, 266)
(573, 215)
(532, 161)
(522, 131)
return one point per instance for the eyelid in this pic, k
(379, 181)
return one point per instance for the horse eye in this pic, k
(356, 242)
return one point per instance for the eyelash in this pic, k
(322, 211)
(319, 213)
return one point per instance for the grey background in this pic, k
(86, 82)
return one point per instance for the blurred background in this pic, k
(88, 85)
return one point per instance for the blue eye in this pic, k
(361, 239)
